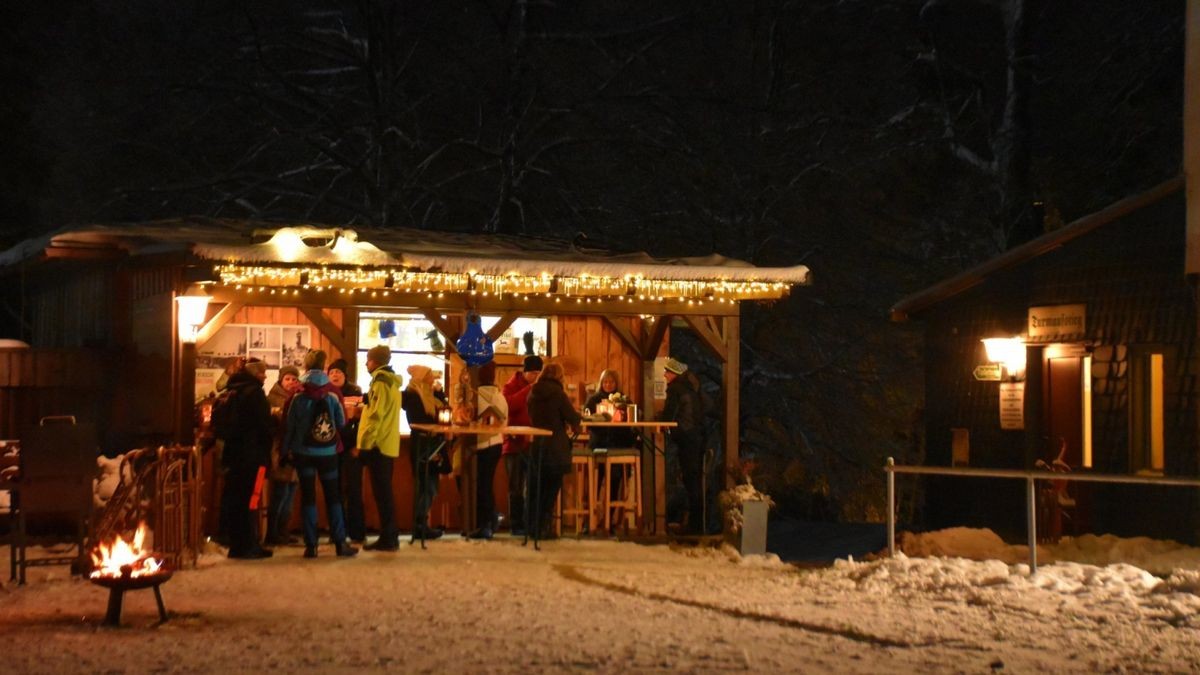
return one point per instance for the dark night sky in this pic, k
(865, 139)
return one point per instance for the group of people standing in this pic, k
(295, 431)
(304, 432)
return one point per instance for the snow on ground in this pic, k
(465, 606)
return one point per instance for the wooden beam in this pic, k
(446, 328)
(654, 337)
(218, 321)
(525, 306)
(502, 325)
(715, 327)
(1191, 133)
(709, 337)
(731, 378)
(328, 329)
(625, 334)
(350, 336)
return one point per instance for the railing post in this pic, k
(1031, 521)
(891, 507)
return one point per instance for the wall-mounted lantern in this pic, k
(1010, 353)
(192, 310)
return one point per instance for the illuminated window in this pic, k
(414, 340)
(1146, 410)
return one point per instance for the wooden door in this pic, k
(1064, 410)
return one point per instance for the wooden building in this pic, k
(116, 299)
(1103, 320)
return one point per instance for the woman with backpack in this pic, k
(314, 419)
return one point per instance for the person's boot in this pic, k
(310, 551)
(345, 550)
(426, 532)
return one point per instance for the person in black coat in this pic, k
(247, 452)
(685, 408)
(549, 408)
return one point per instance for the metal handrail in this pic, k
(1030, 477)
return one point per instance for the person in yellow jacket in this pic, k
(379, 442)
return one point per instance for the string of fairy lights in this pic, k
(584, 288)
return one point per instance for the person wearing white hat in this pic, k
(684, 407)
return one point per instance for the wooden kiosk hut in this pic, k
(157, 308)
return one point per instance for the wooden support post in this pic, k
(350, 337)
(1191, 133)
(184, 424)
(730, 386)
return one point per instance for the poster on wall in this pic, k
(1012, 405)
(276, 345)
(206, 381)
(230, 342)
(295, 344)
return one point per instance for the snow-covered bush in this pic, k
(731, 501)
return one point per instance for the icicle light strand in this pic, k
(584, 286)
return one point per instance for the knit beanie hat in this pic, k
(533, 364)
(288, 370)
(677, 367)
(256, 367)
(338, 364)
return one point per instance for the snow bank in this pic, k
(1161, 557)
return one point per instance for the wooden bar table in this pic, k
(446, 433)
(653, 468)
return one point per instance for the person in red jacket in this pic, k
(515, 448)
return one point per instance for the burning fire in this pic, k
(124, 559)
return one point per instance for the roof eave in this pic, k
(916, 303)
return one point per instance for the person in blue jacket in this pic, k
(314, 420)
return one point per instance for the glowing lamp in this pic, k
(443, 416)
(193, 308)
(1010, 352)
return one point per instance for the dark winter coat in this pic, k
(350, 431)
(549, 408)
(516, 393)
(250, 442)
(684, 406)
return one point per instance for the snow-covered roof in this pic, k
(257, 242)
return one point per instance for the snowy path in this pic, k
(610, 607)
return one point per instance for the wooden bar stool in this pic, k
(629, 462)
(582, 499)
